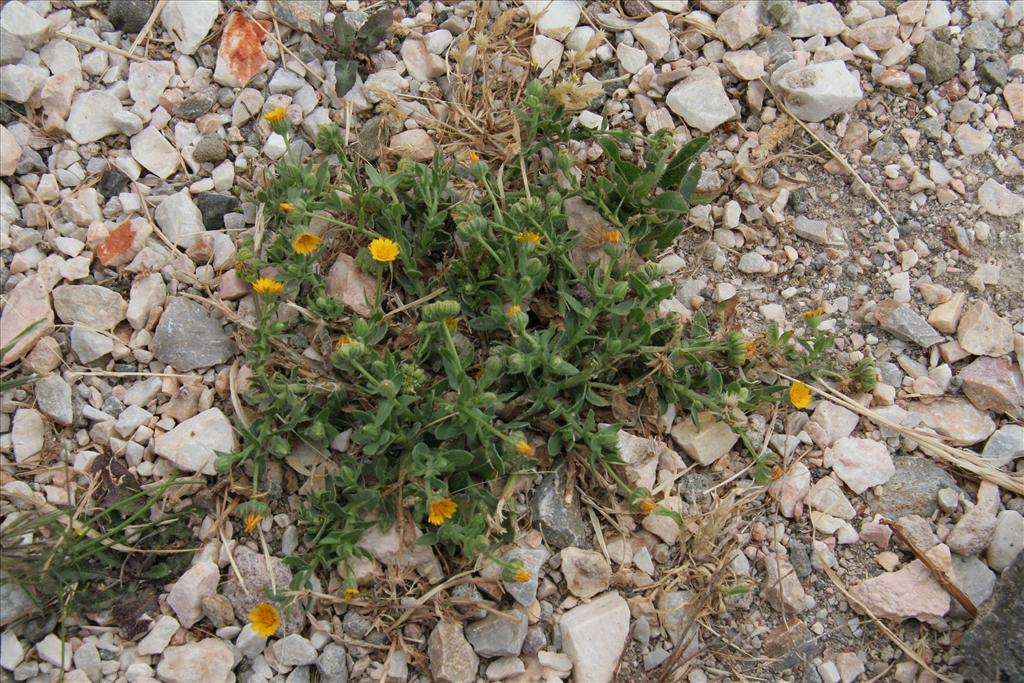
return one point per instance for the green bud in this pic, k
(277, 327)
(535, 89)
(439, 311)
(316, 431)
(534, 268)
(614, 346)
(562, 367)
(224, 462)
(553, 198)
(564, 162)
(518, 363)
(620, 290)
(279, 446)
(252, 507)
(518, 321)
(387, 388)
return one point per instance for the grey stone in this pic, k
(53, 398)
(210, 148)
(253, 568)
(819, 232)
(207, 661)
(294, 650)
(129, 15)
(214, 207)
(91, 305)
(188, 337)
(87, 659)
(974, 578)
(913, 489)
(903, 322)
(332, 664)
(218, 610)
(982, 36)
(525, 593)
(1000, 620)
(498, 635)
(15, 603)
(561, 523)
(940, 59)
(452, 659)
(1007, 540)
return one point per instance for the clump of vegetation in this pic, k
(350, 43)
(514, 314)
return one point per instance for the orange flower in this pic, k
(646, 504)
(266, 285)
(287, 207)
(473, 157)
(815, 313)
(524, 449)
(441, 511)
(512, 310)
(264, 619)
(799, 394)
(306, 243)
(276, 115)
(343, 341)
(521, 576)
(777, 472)
(251, 521)
(613, 236)
(452, 324)
(529, 237)
(750, 347)
(349, 594)
(383, 250)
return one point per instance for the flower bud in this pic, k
(620, 290)
(440, 311)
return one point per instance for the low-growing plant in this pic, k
(349, 43)
(512, 319)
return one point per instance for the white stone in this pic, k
(421, 64)
(53, 650)
(92, 116)
(199, 582)
(438, 41)
(10, 152)
(180, 219)
(275, 146)
(189, 21)
(818, 91)
(827, 496)
(208, 661)
(998, 200)
(413, 144)
(790, 489)
(736, 27)
(631, 59)
(192, 443)
(148, 80)
(971, 140)
(159, 637)
(654, 35)
(147, 293)
(1007, 540)
(816, 19)
(752, 262)
(554, 19)
(154, 153)
(547, 54)
(27, 432)
(701, 100)
(860, 463)
(594, 635)
(937, 14)
(746, 65)
(11, 650)
(18, 82)
(294, 650)
(24, 23)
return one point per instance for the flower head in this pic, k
(646, 504)
(343, 341)
(799, 394)
(441, 511)
(287, 207)
(521, 576)
(264, 619)
(524, 449)
(251, 521)
(529, 237)
(513, 310)
(777, 472)
(276, 115)
(749, 349)
(306, 243)
(473, 157)
(267, 285)
(384, 250)
(613, 237)
(452, 324)
(350, 593)
(815, 313)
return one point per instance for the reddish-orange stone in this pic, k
(117, 243)
(241, 47)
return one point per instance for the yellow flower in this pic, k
(441, 511)
(512, 310)
(276, 115)
(452, 324)
(266, 285)
(524, 449)
(343, 341)
(613, 236)
(521, 576)
(349, 594)
(529, 237)
(287, 207)
(384, 250)
(750, 347)
(306, 243)
(646, 504)
(473, 157)
(799, 394)
(815, 313)
(251, 521)
(264, 619)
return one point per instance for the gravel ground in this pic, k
(865, 159)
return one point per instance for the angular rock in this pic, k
(124, 243)
(973, 532)
(746, 65)
(945, 316)
(736, 27)
(187, 594)
(525, 592)
(560, 522)
(983, 333)
(835, 421)
(207, 661)
(130, 15)
(860, 463)
(1007, 540)
(158, 638)
(913, 489)
(594, 636)
(817, 91)
(24, 24)
(781, 586)
(554, 19)
(189, 21)
(392, 548)
(10, 152)
(790, 489)
(641, 456)
(955, 418)
(547, 54)
(413, 144)
(819, 232)
(994, 384)
(903, 322)
(827, 496)
(701, 100)
(586, 572)
(148, 80)
(148, 292)
(707, 444)
(1004, 446)
(421, 64)
(53, 397)
(180, 219)
(27, 434)
(214, 207)
(332, 664)
(910, 593)
(154, 153)
(351, 286)
(1000, 620)
(815, 19)
(294, 650)
(254, 571)
(240, 56)
(193, 445)
(998, 200)
(92, 116)
(91, 305)
(188, 337)
(452, 659)
(498, 635)
(974, 578)
(27, 303)
(88, 344)
(653, 33)
(877, 34)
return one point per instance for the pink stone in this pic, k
(790, 489)
(876, 533)
(241, 55)
(352, 287)
(910, 593)
(232, 287)
(860, 463)
(994, 384)
(29, 302)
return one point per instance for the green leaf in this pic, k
(345, 75)
(680, 164)
(344, 34)
(689, 183)
(459, 458)
(374, 30)
(670, 201)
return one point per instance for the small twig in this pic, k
(149, 25)
(936, 571)
(101, 46)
